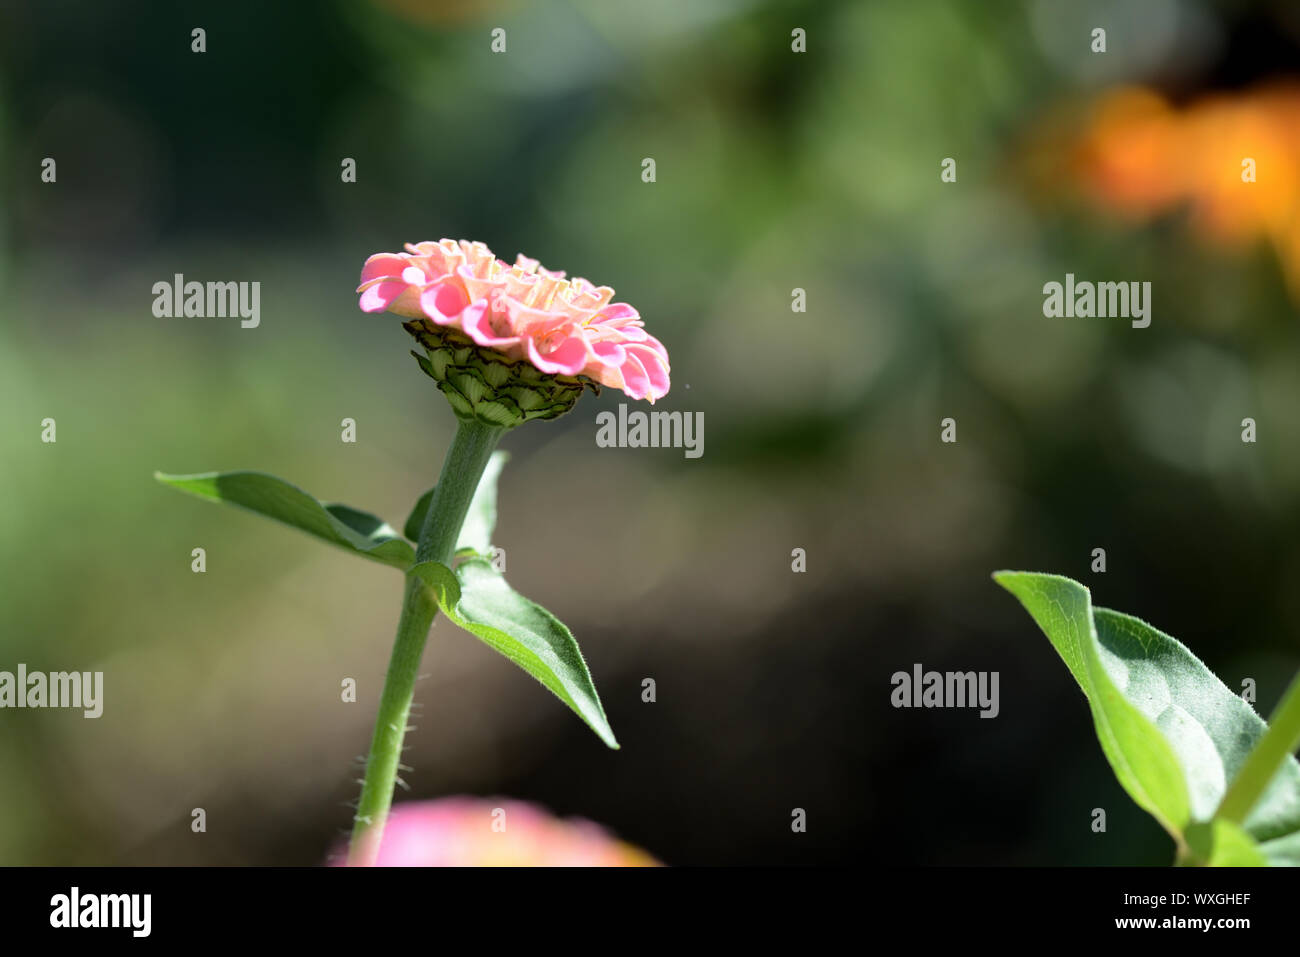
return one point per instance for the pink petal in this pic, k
(658, 347)
(635, 381)
(655, 370)
(476, 321)
(381, 295)
(618, 312)
(634, 333)
(408, 304)
(609, 354)
(382, 265)
(526, 320)
(443, 301)
(569, 358)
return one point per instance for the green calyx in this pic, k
(485, 385)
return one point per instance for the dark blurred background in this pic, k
(775, 170)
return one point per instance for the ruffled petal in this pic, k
(568, 358)
(655, 370)
(618, 313)
(381, 294)
(383, 265)
(609, 354)
(444, 301)
(635, 381)
(476, 321)
(527, 321)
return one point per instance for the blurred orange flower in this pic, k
(1232, 159)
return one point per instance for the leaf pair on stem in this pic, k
(472, 594)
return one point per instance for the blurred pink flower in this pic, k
(474, 832)
(562, 326)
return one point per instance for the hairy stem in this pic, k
(461, 471)
(1280, 740)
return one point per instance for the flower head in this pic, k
(471, 832)
(484, 319)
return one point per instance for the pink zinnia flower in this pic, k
(562, 326)
(472, 832)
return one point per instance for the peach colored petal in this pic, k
(408, 304)
(477, 286)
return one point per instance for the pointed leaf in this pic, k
(1141, 758)
(1162, 714)
(340, 525)
(477, 598)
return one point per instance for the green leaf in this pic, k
(348, 528)
(480, 520)
(1141, 758)
(1211, 729)
(478, 599)
(1174, 734)
(415, 521)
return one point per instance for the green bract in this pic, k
(484, 384)
(1174, 734)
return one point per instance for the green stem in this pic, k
(461, 471)
(1280, 740)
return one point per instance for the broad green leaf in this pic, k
(477, 598)
(1141, 758)
(1174, 734)
(340, 525)
(1211, 729)
(480, 520)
